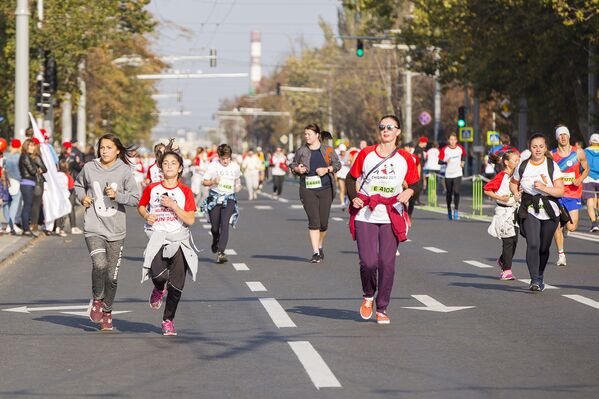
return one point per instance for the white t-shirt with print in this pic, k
(538, 172)
(453, 157)
(229, 176)
(166, 218)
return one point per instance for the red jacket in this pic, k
(399, 221)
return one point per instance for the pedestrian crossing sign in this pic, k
(492, 137)
(466, 134)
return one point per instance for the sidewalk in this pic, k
(12, 246)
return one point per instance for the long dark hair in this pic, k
(125, 153)
(171, 149)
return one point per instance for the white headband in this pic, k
(561, 130)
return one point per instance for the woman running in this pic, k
(541, 182)
(387, 176)
(504, 225)
(168, 207)
(453, 155)
(104, 187)
(316, 164)
(224, 179)
(278, 163)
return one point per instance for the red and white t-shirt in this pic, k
(500, 185)
(166, 219)
(386, 180)
(453, 157)
(154, 173)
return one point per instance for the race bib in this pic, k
(313, 182)
(226, 185)
(382, 189)
(569, 178)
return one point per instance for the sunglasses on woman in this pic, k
(388, 127)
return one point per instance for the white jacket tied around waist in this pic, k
(171, 242)
(503, 224)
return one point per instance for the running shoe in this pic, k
(321, 254)
(366, 308)
(594, 227)
(168, 329)
(156, 298)
(221, 257)
(456, 216)
(106, 321)
(315, 258)
(535, 286)
(214, 246)
(382, 318)
(507, 275)
(76, 230)
(449, 215)
(561, 259)
(95, 311)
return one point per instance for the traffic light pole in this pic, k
(22, 69)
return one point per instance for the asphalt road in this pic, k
(294, 331)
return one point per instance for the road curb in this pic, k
(14, 254)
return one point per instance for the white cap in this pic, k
(594, 138)
(561, 130)
(342, 147)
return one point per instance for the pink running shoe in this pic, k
(156, 298)
(95, 311)
(168, 329)
(507, 275)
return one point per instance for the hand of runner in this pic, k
(518, 195)
(151, 219)
(167, 202)
(357, 203)
(301, 169)
(216, 179)
(87, 201)
(404, 196)
(577, 181)
(322, 171)
(540, 186)
(110, 192)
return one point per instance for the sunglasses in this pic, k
(388, 127)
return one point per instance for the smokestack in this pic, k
(256, 55)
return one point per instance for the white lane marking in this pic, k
(256, 286)
(240, 267)
(263, 207)
(397, 253)
(277, 313)
(433, 305)
(297, 206)
(337, 219)
(283, 200)
(27, 309)
(583, 236)
(435, 250)
(230, 252)
(478, 264)
(318, 371)
(337, 206)
(547, 286)
(584, 300)
(206, 226)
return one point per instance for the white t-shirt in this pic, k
(500, 185)
(277, 160)
(532, 174)
(386, 180)
(229, 176)
(252, 164)
(453, 157)
(166, 219)
(432, 160)
(154, 173)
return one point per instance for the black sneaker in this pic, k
(594, 227)
(535, 286)
(214, 246)
(221, 257)
(321, 254)
(315, 258)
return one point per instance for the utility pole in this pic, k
(82, 109)
(522, 122)
(592, 91)
(66, 117)
(476, 127)
(408, 116)
(437, 112)
(22, 69)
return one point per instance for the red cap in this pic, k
(35, 140)
(15, 143)
(423, 140)
(67, 144)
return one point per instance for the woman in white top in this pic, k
(251, 167)
(538, 185)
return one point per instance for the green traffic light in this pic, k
(461, 123)
(359, 52)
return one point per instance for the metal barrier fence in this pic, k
(432, 189)
(477, 195)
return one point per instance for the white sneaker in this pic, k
(76, 230)
(8, 229)
(18, 230)
(561, 259)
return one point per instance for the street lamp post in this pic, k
(22, 69)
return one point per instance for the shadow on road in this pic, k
(81, 323)
(281, 257)
(467, 275)
(499, 287)
(327, 313)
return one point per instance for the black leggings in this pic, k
(452, 186)
(277, 184)
(169, 271)
(219, 218)
(317, 204)
(413, 200)
(508, 249)
(539, 235)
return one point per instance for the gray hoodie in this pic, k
(106, 217)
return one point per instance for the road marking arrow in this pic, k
(434, 306)
(25, 309)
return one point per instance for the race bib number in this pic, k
(569, 178)
(382, 190)
(313, 182)
(226, 185)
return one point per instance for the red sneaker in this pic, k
(382, 318)
(95, 311)
(106, 322)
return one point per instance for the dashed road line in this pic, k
(318, 371)
(283, 200)
(338, 219)
(241, 267)
(297, 206)
(256, 286)
(263, 207)
(435, 250)
(547, 286)
(584, 300)
(230, 252)
(277, 313)
(478, 264)
(206, 226)
(583, 236)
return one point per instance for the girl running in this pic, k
(540, 180)
(224, 179)
(316, 164)
(104, 187)
(378, 219)
(168, 207)
(504, 225)
(453, 155)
